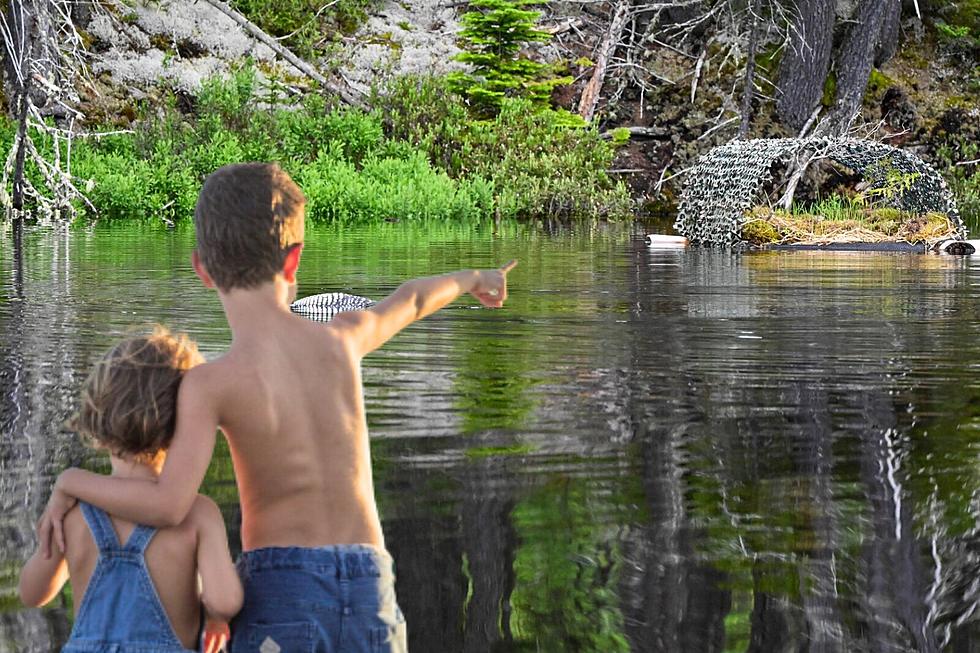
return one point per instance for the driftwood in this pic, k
(347, 95)
(590, 95)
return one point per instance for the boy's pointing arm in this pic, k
(163, 502)
(415, 299)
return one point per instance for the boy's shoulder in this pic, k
(209, 379)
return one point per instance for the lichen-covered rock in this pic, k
(182, 42)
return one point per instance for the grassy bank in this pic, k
(420, 158)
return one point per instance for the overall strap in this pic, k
(105, 535)
(98, 522)
(140, 538)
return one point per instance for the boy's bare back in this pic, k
(290, 403)
(289, 398)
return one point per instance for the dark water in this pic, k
(646, 450)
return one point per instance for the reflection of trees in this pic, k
(63, 298)
(734, 467)
(36, 371)
(759, 494)
(894, 585)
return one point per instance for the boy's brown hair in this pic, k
(129, 402)
(248, 216)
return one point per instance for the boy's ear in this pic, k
(200, 270)
(291, 263)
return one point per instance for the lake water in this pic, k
(645, 450)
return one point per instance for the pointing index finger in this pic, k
(509, 266)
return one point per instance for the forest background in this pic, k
(465, 111)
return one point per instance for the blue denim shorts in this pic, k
(318, 600)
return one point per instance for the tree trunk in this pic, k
(857, 58)
(22, 103)
(805, 61)
(890, 31)
(749, 90)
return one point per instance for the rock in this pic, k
(403, 38)
(180, 41)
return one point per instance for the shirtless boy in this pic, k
(288, 397)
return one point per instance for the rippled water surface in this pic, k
(645, 450)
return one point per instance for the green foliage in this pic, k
(494, 31)
(950, 32)
(620, 136)
(957, 19)
(538, 164)
(306, 26)
(891, 183)
(435, 164)
(964, 180)
(340, 157)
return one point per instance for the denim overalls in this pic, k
(121, 612)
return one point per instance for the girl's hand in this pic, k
(216, 636)
(491, 286)
(51, 525)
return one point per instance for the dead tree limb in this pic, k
(347, 95)
(590, 95)
(43, 55)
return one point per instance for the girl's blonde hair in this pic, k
(129, 402)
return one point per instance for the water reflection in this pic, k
(647, 450)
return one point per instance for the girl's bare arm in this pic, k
(221, 589)
(42, 578)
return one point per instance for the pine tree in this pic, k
(494, 31)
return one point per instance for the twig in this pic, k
(697, 71)
(717, 127)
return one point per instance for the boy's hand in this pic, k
(51, 525)
(491, 286)
(216, 636)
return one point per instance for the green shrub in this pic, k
(539, 165)
(434, 163)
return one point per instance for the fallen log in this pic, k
(347, 95)
(590, 94)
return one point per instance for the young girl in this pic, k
(135, 587)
